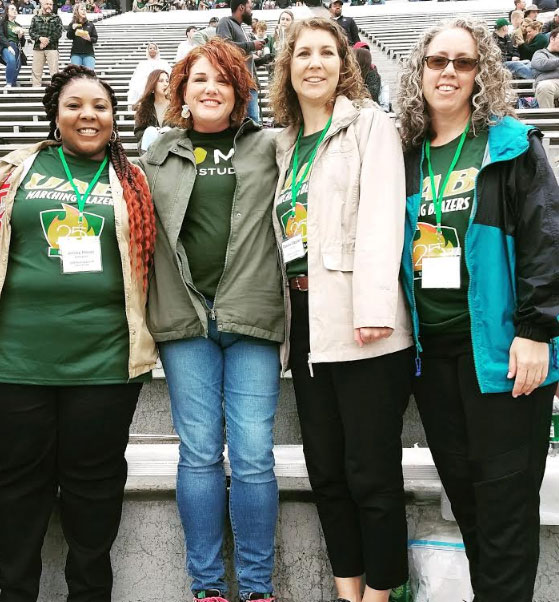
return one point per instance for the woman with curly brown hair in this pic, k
(480, 271)
(151, 108)
(77, 233)
(216, 312)
(339, 221)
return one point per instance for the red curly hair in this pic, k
(136, 193)
(229, 61)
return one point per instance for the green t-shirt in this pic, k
(446, 310)
(12, 35)
(207, 223)
(55, 328)
(293, 225)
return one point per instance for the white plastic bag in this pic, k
(439, 569)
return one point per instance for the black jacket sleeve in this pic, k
(92, 32)
(3, 36)
(353, 33)
(537, 244)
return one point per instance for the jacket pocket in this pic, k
(340, 260)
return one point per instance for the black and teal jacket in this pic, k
(511, 250)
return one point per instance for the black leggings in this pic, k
(490, 451)
(72, 438)
(351, 422)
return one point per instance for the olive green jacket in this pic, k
(248, 298)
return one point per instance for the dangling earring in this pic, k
(113, 137)
(185, 113)
(57, 135)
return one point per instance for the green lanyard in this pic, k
(296, 185)
(81, 199)
(438, 198)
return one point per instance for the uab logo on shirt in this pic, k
(64, 222)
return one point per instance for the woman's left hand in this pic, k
(529, 363)
(369, 334)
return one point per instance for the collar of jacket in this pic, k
(17, 157)
(177, 141)
(508, 139)
(344, 113)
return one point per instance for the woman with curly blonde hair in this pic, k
(480, 274)
(339, 221)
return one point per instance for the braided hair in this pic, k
(136, 193)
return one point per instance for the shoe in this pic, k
(259, 598)
(209, 595)
(340, 600)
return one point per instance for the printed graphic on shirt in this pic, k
(65, 222)
(427, 241)
(214, 162)
(294, 224)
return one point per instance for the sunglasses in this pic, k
(438, 63)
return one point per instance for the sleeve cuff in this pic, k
(532, 332)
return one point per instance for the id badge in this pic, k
(441, 271)
(80, 254)
(293, 248)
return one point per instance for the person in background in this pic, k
(264, 56)
(83, 34)
(230, 28)
(369, 72)
(285, 21)
(545, 65)
(216, 311)
(553, 24)
(339, 226)
(509, 52)
(45, 31)
(532, 12)
(481, 192)
(346, 23)
(533, 39)
(151, 108)
(12, 40)
(519, 5)
(143, 69)
(27, 7)
(75, 346)
(186, 45)
(67, 7)
(546, 6)
(201, 36)
(515, 29)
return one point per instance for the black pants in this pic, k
(72, 439)
(490, 451)
(351, 422)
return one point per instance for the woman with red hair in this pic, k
(215, 309)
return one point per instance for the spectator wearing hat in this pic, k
(553, 24)
(510, 55)
(545, 64)
(531, 12)
(346, 23)
(186, 45)
(203, 35)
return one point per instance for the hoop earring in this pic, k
(185, 113)
(57, 135)
(114, 137)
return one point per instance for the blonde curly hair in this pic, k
(492, 97)
(283, 98)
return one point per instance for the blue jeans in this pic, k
(233, 381)
(520, 69)
(253, 109)
(83, 59)
(13, 63)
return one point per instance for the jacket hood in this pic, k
(345, 111)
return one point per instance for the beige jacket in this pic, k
(355, 234)
(142, 348)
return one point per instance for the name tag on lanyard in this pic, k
(80, 254)
(441, 271)
(292, 248)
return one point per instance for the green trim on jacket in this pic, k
(249, 295)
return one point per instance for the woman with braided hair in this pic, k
(77, 233)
